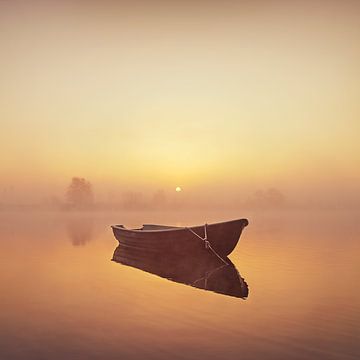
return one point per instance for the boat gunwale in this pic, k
(121, 227)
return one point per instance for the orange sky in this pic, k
(221, 98)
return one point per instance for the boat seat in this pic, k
(157, 227)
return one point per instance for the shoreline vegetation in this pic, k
(80, 196)
(118, 207)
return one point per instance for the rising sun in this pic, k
(178, 189)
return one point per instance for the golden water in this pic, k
(61, 296)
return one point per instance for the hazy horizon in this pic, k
(224, 100)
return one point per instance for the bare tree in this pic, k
(79, 193)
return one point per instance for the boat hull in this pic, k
(223, 237)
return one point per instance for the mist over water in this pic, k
(63, 297)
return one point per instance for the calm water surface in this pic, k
(61, 296)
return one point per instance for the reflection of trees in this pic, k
(80, 230)
(79, 193)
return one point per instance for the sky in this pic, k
(222, 98)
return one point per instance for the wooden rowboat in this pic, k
(221, 238)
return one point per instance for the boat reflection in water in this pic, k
(203, 271)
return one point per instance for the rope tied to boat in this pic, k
(207, 276)
(207, 242)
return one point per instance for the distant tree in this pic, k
(132, 200)
(159, 199)
(79, 193)
(275, 197)
(267, 199)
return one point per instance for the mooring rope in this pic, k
(207, 242)
(207, 275)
